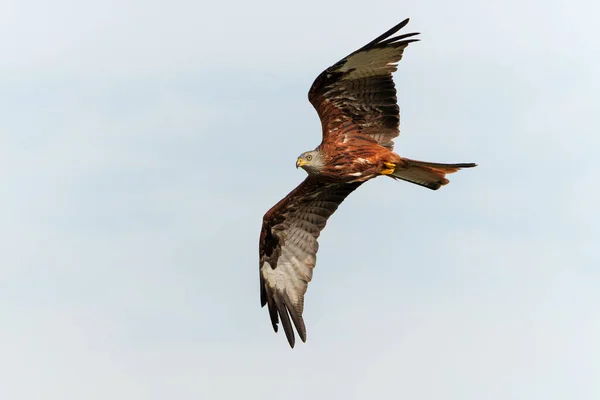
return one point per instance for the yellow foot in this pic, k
(390, 168)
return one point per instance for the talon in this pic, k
(390, 168)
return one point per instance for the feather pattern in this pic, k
(288, 249)
(359, 91)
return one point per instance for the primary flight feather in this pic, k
(356, 101)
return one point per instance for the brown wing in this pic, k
(288, 248)
(357, 96)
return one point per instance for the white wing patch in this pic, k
(372, 62)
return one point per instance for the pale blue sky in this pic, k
(142, 141)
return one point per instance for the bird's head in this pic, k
(311, 161)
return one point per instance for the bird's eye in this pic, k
(308, 158)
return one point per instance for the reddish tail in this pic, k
(429, 175)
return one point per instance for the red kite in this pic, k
(356, 102)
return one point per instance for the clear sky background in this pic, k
(142, 141)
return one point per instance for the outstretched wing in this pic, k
(288, 248)
(357, 96)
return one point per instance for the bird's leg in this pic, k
(389, 168)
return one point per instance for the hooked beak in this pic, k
(300, 162)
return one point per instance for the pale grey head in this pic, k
(311, 161)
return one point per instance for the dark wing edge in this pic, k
(382, 41)
(360, 88)
(288, 248)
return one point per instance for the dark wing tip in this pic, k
(285, 320)
(398, 42)
(298, 323)
(385, 38)
(279, 310)
(273, 313)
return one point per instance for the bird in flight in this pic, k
(356, 101)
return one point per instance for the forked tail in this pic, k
(429, 175)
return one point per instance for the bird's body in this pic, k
(356, 102)
(358, 160)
